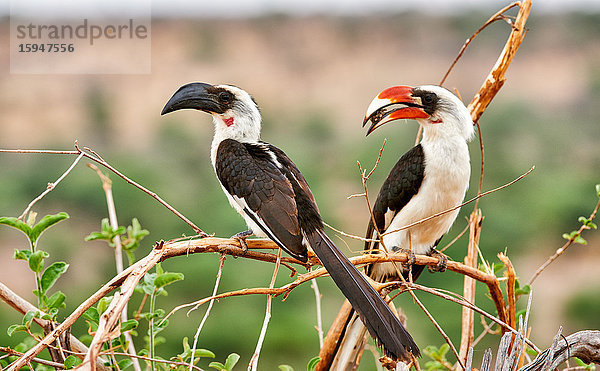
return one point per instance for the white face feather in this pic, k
(455, 117)
(242, 122)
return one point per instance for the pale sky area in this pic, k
(244, 8)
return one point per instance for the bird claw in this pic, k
(410, 255)
(442, 261)
(241, 238)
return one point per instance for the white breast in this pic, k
(446, 179)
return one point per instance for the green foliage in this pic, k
(33, 232)
(52, 274)
(438, 356)
(575, 237)
(106, 233)
(72, 361)
(129, 243)
(525, 290)
(585, 366)
(311, 366)
(187, 353)
(35, 259)
(230, 362)
(586, 223)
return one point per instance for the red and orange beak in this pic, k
(393, 104)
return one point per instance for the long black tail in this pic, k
(379, 319)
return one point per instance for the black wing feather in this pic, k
(401, 185)
(247, 171)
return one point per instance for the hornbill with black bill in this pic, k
(430, 178)
(268, 190)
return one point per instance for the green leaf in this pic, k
(95, 236)
(217, 365)
(92, 315)
(72, 361)
(36, 260)
(29, 316)
(523, 290)
(580, 240)
(159, 269)
(160, 325)
(498, 267)
(15, 328)
(286, 368)
(434, 365)
(443, 350)
(16, 223)
(168, 278)
(45, 223)
(186, 344)
(312, 364)
(22, 254)
(103, 304)
(231, 361)
(598, 190)
(203, 353)
(52, 273)
(129, 325)
(57, 300)
(124, 363)
(431, 351)
(520, 313)
(148, 284)
(136, 229)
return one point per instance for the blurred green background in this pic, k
(313, 77)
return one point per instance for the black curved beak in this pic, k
(195, 95)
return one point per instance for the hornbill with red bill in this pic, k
(268, 190)
(430, 178)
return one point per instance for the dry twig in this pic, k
(112, 217)
(96, 158)
(466, 340)
(564, 247)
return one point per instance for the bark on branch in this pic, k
(584, 345)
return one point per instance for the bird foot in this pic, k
(410, 255)
(241, 238)
(442, 261)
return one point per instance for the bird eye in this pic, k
(224, 97)
(428, 98)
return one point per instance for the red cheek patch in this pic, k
(228, 121)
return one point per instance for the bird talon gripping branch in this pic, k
(430, 178)
(267, 189)
(442, 263)
(241, 238)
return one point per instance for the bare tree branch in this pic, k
(584, 345)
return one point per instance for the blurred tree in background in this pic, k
(313, 78)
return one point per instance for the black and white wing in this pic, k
(249, 174)
(401, 185)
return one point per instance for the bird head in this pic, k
(235, 113)
(435, 108)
